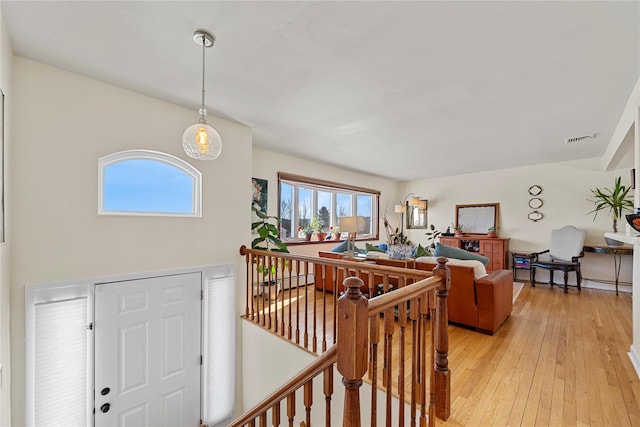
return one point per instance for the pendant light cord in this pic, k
(203, 110)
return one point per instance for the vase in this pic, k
(336, 236)
(308, 237)
(492, 234)
(321, 236)
(458, 233)
(400, 251)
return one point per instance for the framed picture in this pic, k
(259, 189)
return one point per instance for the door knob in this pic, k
(105, 407)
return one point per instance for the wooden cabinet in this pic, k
(494, 248)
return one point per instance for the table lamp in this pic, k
(352, 225)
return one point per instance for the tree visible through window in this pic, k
(140, 182)
(302, 199)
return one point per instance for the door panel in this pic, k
(147, 351)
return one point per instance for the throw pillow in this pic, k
(421, 251)
(457, 253)
(373, 248)
(479, 269)
(343, 247)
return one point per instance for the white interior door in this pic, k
(147, 352)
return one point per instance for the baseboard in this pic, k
(635, 360)
(586, 283)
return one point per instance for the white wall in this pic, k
(267, 164)
(61, 124)
(565, 201)
(6, 56)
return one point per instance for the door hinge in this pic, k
(201, 294)
(90, 327)
(201, 361)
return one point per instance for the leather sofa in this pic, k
(482, 303)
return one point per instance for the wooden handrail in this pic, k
(386, 301)
(318, 366)
(356, 327)
(407, 272)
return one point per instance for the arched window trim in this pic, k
(169, 159)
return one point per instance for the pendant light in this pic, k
(200, 140)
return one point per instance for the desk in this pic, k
(616, 251)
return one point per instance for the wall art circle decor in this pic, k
(535, 216)
(535, 190)
(535, 203)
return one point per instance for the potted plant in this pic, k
(457, 229)
(318, 226)
(335, 232)
(399, 245)
(268, 238)
(305, 232)
(491, 232)
(616, 201)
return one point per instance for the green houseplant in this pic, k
(318, 226)
(268, 237)
(616, 201)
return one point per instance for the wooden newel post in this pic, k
(352, 347)
(441, 372)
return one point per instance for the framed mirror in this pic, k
(417, 215)
(476, 219)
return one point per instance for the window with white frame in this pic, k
(301, 199)
(144, 182)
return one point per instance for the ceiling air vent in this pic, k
(578, 138)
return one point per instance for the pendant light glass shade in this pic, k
(201, 141)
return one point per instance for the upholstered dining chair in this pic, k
(564, 253)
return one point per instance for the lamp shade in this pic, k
(202, 142)
(398, 208)
(349, 224)
(414, 201)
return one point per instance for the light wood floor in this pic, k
(559, 360)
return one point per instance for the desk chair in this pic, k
(564, 254)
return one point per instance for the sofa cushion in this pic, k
(421, 251)
(457, 253)
(479, 269)
(373, 248)
(342, 247)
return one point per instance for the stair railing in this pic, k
(414, 305)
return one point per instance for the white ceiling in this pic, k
(406, 90)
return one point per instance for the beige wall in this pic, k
(62, 123)
(565, 192)
(5, 360)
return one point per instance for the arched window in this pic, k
(144, 182)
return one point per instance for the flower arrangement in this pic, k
(399, 245)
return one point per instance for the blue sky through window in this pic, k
(141, 185)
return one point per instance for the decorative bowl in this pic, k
(400, 251)
(634, 220)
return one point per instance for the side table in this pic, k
(521, 261)
(616, 251)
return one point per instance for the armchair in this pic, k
(564, 253)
